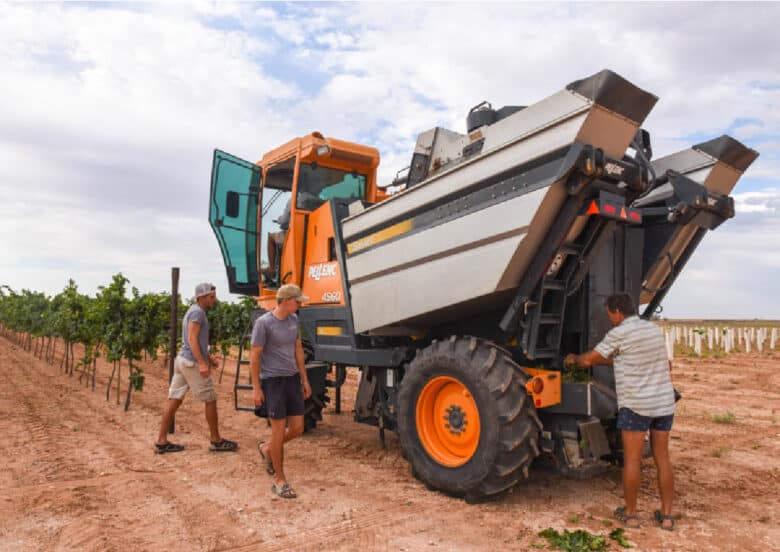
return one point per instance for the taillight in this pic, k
(537, 386)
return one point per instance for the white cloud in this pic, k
(108, 113)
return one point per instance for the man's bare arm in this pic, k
(586, 360)
(193, 330)
(255, 356)
(301, 362)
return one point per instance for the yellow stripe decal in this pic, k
(378, 237)
(329, 330)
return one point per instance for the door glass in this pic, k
(276, 221)
(235, 185)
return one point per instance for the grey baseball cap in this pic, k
(204, 289)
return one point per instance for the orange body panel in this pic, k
(339, 154)
(551, 386)
(322, 274)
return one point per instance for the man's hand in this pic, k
(570, 360)
(203, 369)
(257, 396)
(306, 390)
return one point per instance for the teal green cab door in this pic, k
(235, 193)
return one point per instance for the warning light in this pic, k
(634, 215)
(538, 385)
(622, 212)
(593, 209)
(610, 209)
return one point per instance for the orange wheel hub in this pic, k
(448, 421)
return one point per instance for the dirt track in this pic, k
(80, 474)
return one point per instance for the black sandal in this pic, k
(628, 521)
(660, 518)
(223, 446)
(269, 465)
(167, 447)
(284, 491)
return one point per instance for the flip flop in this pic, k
(269, 465)
(223, 446)
(628, 521)
(167, 447)
(660, 518)
(284, 491)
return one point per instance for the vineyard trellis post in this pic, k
(174, 331)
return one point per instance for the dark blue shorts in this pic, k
(631, 421)
(283, 396)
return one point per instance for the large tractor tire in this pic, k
(313, 409)
(465, 421)
(315, 404)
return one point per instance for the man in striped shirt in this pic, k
(637, 351)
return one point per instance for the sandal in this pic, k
(167, 447)
(628, 521)
(661, 518)
(269, 465)
(284, 491)
(223, 446)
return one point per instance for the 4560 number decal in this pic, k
(331, 297)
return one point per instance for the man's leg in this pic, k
(633, 443)
(213, 421)
(170, 409)
(663, 464)
(294, 428)
(275, 448)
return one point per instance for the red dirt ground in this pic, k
(79, 473)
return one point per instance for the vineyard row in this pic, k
(117, 323)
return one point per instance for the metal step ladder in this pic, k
(245, 346)
(542, 321)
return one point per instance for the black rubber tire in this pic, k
(314, 405)
(509, 425)
(313, 412)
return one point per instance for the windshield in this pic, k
(317, 184)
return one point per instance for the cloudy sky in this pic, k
(109, 114)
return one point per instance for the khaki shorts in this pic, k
(186, 375)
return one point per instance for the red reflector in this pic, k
(593, 209)
(611, 209)
(634, 215)
(622, 212)
(538, 402)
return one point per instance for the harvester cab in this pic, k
(276, 222)
(458, 296)
(262, 213)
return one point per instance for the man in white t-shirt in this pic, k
(637, 351)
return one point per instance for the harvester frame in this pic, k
(459, 296)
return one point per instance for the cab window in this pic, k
(318, 184)
(275, 213)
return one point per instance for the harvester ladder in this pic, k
(543, 321)
(245, 346)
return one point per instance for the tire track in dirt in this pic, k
(359, 530)
(122, 451)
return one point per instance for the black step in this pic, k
(549, 319)
(242, 361)
(553, 284)
(546, 353)
(570, 249)
(244, 386)
(247, 408)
